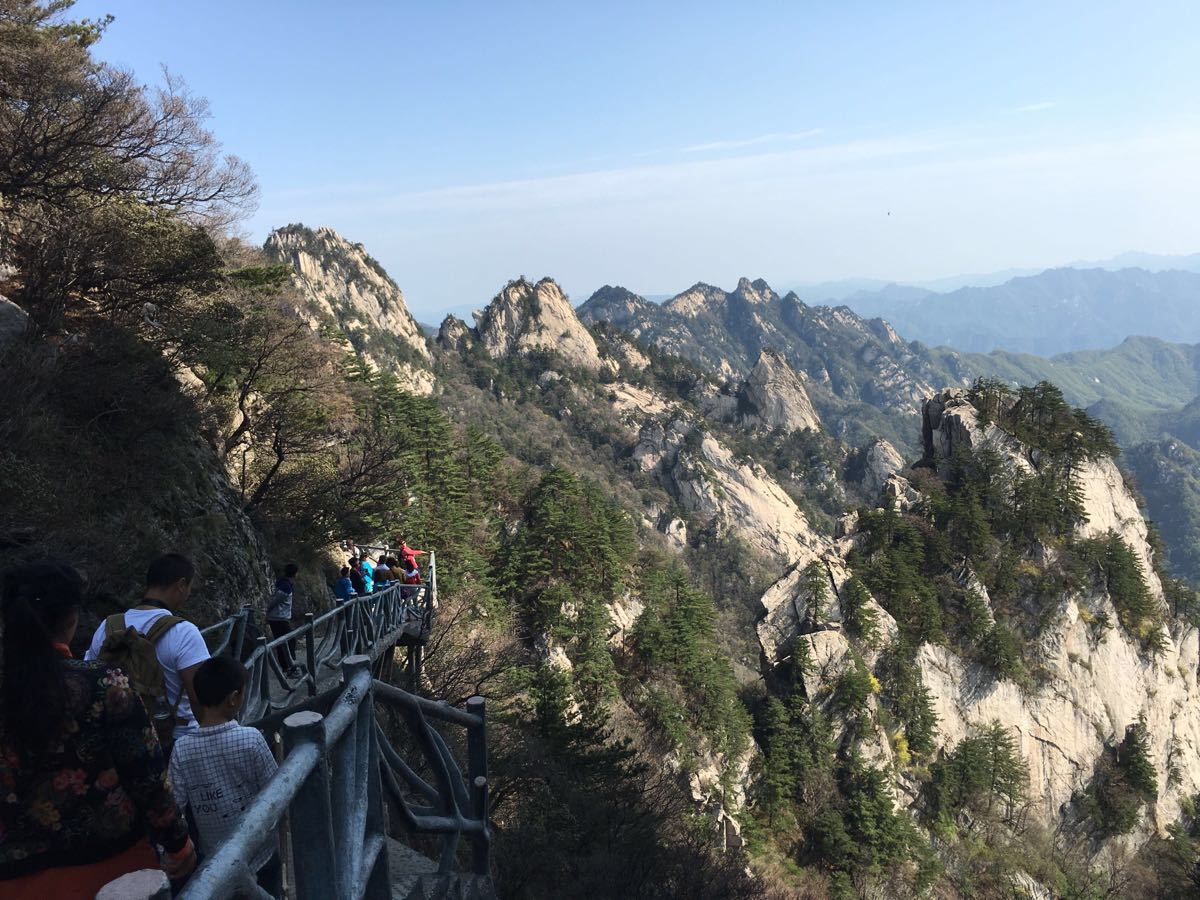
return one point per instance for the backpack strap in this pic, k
(113, 624)
(154, 634)
(161, 626)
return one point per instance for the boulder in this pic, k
(773, 396)
(881, 462)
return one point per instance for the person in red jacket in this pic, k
(407, 552)
(412, 575)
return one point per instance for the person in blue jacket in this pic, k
(343, 588)
(368, 572)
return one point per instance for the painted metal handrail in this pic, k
(330, 789)
(371, 624)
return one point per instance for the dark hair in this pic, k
(217, 678)
(38, 599)
(169, 569)
(345, 571)
(290, 570)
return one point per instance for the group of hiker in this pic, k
(363, 574)
(86, 790)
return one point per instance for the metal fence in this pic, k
(332, 791)
(371, 625)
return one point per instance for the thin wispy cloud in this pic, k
(774, 138)
(1035, 107)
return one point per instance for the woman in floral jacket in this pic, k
(82, 777)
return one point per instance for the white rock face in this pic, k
(744, 499)
(696, 299)
(773, 396)
(1092, 685)
(525, 317)
(1094, 692)
(1111, 507)
(338, 280)
(882, 462)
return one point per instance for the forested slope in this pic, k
(732, 644)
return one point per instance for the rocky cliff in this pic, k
(342, 284)
(736, 496)
(1091, 670)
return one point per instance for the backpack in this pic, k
(134, 653)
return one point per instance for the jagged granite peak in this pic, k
(454, 334)
(774, 396)
(340, 278)
(524, 317)
(757, 291)
(614, 304)
(699, 298)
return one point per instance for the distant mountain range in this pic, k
(835, 291)
(1056, 311)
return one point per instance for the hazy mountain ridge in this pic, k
(1055, 311)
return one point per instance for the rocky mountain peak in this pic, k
(614, 304)
(880, 463)
(340, 277)
(524, 317)
(454, 334)
(699, 298)
(339, 281)
(757, 291)
(1094, 680)
(774, 396)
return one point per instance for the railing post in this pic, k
(344, 618)
(477, 775)
(238, 641)
(311, 817)
(310, 653)
(348, 760)
(416, 654)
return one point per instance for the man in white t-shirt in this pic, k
(181, 649)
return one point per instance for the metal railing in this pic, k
(371, 624)
(333, 788)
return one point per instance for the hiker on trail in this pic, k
(407, 552)
(279, 619)
(343, 588)
(412, 575)
(85, 792)
(178, 647)
(356, 576)
(217, 770)
(368, 570)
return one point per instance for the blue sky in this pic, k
(657, 144)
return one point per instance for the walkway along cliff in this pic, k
(343, 792)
